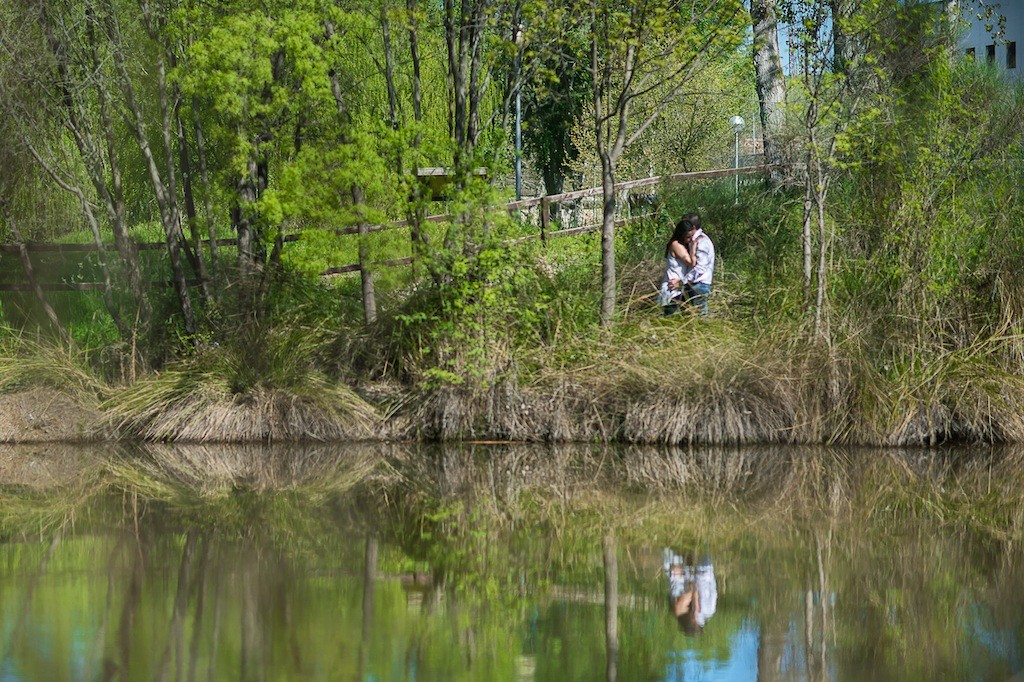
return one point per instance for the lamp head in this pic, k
(737, 123)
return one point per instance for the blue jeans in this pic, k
(697, 295)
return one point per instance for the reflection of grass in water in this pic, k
(25, 512)
(278, 495)
(885, 530)
(576, 491)
(172, 473)
(903, 537)
(652, 493)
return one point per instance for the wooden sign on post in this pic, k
(438, 180)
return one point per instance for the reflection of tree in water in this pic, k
(840, 560)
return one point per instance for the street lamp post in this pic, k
(519, 144)
(737, 123)
(519, 116)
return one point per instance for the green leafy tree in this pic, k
(642, 55)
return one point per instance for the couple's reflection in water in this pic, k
(692, 590)
(692, 595)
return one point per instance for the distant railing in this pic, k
(543, 204)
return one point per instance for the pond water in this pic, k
(501, 562)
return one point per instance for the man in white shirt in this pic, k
(697, 281)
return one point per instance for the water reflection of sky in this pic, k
(740, 665)
(1001, 643)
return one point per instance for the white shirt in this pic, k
(674, 269)
(703, 270)
(700, 577)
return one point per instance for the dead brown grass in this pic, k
(178, 407)
(697, 383)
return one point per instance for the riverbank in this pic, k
(666, 382)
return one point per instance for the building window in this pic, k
(1011, 55)
(990, 53)
(970, 53)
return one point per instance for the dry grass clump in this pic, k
(966, 395)
(26, 363)
(195, 406)
(46, 415)
(701, 382)
(503, 411)
(651, 388)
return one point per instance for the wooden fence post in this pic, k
(545, 219)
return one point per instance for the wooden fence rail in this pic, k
(544, 203)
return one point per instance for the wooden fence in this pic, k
(542, 205)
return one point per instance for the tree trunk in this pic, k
(806, 235)
(953, 12)
(196, 252)
(416, 212)
(172, 221)
(164, 189)
(115, 195)
(464, 35)
(611, 608)
(204, 175)
(608, 284)
(389, 70)
(771, 89)
(844, 45)
(954, 17)
(365, 274)
(358, 201)
(822, 275)
(242, 219)
(92, 158)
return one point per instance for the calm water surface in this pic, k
(509, 563)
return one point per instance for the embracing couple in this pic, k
(689, 267)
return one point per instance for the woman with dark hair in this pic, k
(679, 259)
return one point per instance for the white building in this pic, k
(979, 43)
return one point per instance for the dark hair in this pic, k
(682, 229)
(694, 219)
(687, 621)
(688, 624)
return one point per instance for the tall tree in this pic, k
(163, 179)
(73, 87)
(830, 99)
(641, 57)
(771, 85)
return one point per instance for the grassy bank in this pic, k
(903, 329)
(644, 386)
(533, 365)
